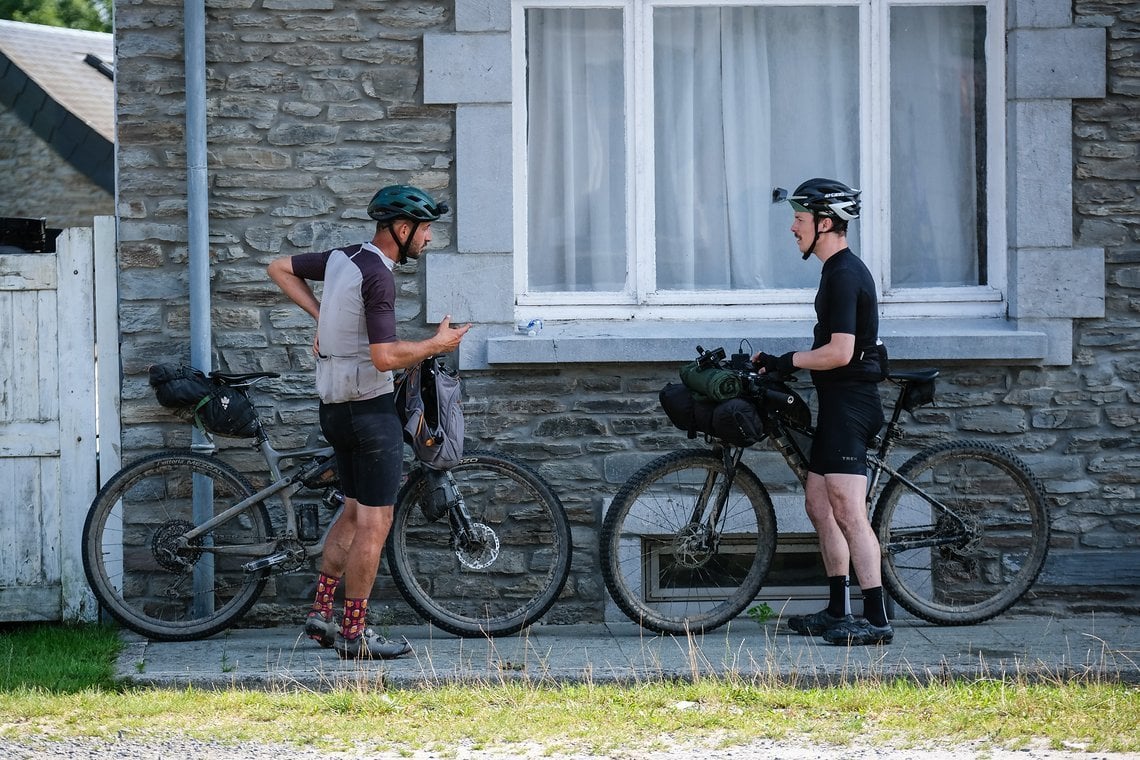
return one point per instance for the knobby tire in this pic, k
(133, 560)
(510, 576)
(648, 560)
(981, 572)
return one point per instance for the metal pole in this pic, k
(198, 228)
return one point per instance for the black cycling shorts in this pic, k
(368, 439)
(850, 415)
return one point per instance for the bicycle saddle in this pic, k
(234, 378)
(916, 376)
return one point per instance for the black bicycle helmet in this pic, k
(396, 202)
(822, 198)
(404, 202)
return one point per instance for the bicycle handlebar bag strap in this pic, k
(428, 399)
(207, 403)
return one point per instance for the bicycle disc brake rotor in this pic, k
(480, 550)
(693, 546)
(166, 546)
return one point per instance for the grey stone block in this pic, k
(483, 211)
(1058, 282)
(469, 287)
(1057, 63)
(1040, 191)
(482, 15)
(467, 68)
(1028, 14)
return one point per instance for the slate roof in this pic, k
(59, 82)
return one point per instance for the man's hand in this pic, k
(779, 365)
(449, 337)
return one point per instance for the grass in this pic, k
(58, 682)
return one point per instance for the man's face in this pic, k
(803, 229)
(420, 240)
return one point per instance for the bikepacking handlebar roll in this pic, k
(715, 384)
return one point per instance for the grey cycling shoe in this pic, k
(369, 646)
(321, 629)
(816, 623)
(859, 632)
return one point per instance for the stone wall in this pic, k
(39, 183)
(313, 104)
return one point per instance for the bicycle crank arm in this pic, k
(272, 560)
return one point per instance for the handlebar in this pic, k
(756, 384)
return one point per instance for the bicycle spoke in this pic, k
(973, 563)
(672, 573)
(143, 569)
(494, 572)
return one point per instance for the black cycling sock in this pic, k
(837, 599)
(875, 606)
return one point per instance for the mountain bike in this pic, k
(179, 545)
(689, 538)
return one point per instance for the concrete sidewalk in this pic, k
(1098, 646)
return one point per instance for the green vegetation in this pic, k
(57, 682)
(92, 15)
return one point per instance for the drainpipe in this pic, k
(197, 201)
(198, 228)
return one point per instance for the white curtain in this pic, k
(745, 98)
(937, 159)
(576, 154)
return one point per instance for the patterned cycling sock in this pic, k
(326, 588)
(875, 606)
(355, 614)
(839, 596)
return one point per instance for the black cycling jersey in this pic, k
(846, 303)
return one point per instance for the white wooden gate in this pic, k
(55, 308)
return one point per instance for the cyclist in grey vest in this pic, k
(356, 349)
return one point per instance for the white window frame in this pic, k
(782, 304)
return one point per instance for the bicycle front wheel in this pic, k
(964, 531)
(142, 570)
(666, 564)
(489, 566)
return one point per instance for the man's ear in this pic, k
(826, 224)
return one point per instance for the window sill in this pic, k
(646, 342)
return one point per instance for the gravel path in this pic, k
(189, 749)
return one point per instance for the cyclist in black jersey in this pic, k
(356, 350)
(845, 368)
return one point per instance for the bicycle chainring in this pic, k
(168, 550)
(480, 550)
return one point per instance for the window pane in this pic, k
(745, 99)
(938, 152)
(576, 217)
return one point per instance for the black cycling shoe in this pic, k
(321, 629)
(369, 646)
(816, 623)
(858, 632)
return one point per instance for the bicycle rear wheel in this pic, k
(140, 569)
(960, 572)
(664, 566)
(508, 570)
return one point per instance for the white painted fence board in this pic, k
(49, 389)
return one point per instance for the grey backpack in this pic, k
(428, 402)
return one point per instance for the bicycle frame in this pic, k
(877, 463)
(284, 486)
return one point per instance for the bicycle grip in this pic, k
(777, 398)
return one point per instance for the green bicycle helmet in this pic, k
(404, 202)
(395, 202)
(821, 197)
